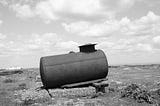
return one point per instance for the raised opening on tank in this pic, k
(87, 48)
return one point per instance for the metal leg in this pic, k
(100, 87)
(49, 93)
(42, 88)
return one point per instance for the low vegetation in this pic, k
(128, 86)
(10, 72)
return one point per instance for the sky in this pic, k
(128, 31)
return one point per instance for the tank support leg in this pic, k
(43, 88)
(49, 93)
(100, 87)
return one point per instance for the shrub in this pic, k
(22, 86)
(9, 80)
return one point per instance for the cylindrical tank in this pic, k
(87, 65)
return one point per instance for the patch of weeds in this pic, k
(129, 90)
(133, 91)
(22, 86)
(89, 104)
(28, 102)
(69, 103)
(111, 89)
(4, 73)
(38, 79)
(31, 96)
(9, 80)
(156, 95)
(3, 93)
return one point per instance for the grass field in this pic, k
(20, 88)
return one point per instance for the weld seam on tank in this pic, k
(77, 61)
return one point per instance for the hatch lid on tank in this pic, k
(87, 48)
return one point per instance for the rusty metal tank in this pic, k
(87, 65)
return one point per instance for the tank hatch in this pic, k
(87, 48)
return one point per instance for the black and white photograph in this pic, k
(79, 52)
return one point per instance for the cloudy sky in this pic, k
(128, 31)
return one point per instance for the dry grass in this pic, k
(19, 88)
(10, 72)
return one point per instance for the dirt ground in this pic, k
(136, 85)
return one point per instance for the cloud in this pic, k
(67, 46)
(82, 7)
(3, 2)
(2, 36)
(151, 3)
(91, 29)
(144, 47)
(76, 27)
(50, 42)
(84, 28)
(124, 35)
(156, 39)
(23, 11)
(1, 22)
(40, 44)
(56, 9)
(156, 42)
(126, 3)
(146, 25)
(45, 11)
(37, 43)
(71, 9)
(44, 39)
(127, 46)
(121, 5)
